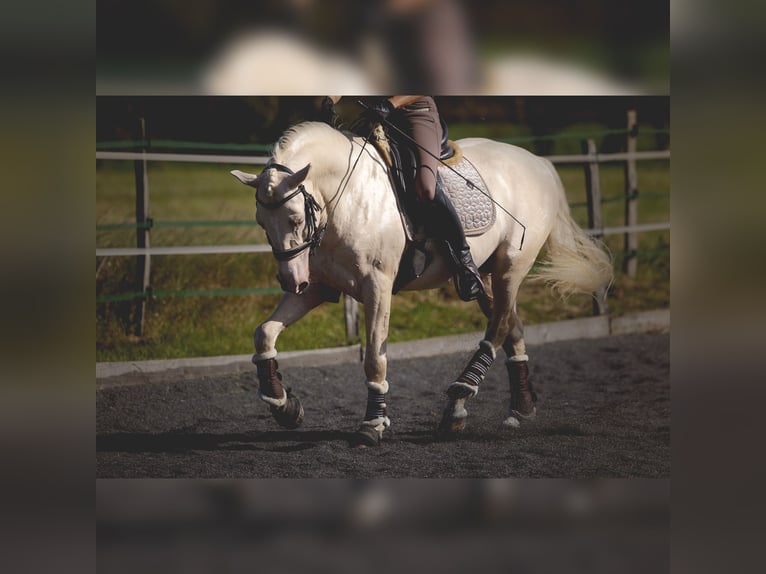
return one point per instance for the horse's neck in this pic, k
(333, 171)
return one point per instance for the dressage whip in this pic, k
(468, 182)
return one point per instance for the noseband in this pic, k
(314, 233)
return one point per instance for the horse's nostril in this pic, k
(303, 286)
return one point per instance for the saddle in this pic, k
(460, 180)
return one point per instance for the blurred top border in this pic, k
(444, 47)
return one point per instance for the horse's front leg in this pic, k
(465, 387)
(285, 407)
(376, 296)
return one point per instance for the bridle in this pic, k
(314, 233)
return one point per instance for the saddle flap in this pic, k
(469, 195)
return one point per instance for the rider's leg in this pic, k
(444, 223)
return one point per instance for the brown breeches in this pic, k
(424, 127)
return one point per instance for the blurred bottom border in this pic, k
(614, 525)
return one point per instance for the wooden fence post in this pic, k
(629, 261)
(595, 221)
(143, 223)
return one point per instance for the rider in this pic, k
(419, 116)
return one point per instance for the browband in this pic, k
(284, 169)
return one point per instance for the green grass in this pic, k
(207, 326)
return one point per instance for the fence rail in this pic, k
(611, 157)
(182, 157)
(262, 160)
(183, 250)
(265, 248)
(638, 228)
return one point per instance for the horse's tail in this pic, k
(573, 261)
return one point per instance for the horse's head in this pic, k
(288, 214)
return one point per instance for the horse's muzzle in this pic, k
(294, 274)
(290, 286)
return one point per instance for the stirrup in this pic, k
(466, 278)
(468, 292)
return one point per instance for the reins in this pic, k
(347, 178)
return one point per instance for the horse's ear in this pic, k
(297, 178)
(246, 178)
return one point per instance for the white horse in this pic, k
(326, 203)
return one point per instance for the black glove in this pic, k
(381, 109)
(329, 115)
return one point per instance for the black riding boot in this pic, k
(444, 224)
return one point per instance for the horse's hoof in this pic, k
(289, 416)
(365, 436)
(515, 418)
(454, 426)
(454, 415)
(511, 422)
(450, 426)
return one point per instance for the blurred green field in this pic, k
(206, 326)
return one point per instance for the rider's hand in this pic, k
(381, 109)
(329, 115)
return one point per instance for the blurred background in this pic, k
(545, 47)
(588, 527)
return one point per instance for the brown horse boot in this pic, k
(523, 396)
(285, 408)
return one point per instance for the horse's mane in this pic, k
(301, 134)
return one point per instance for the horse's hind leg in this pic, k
(523, 397)
(285, 407)
(505, 283)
